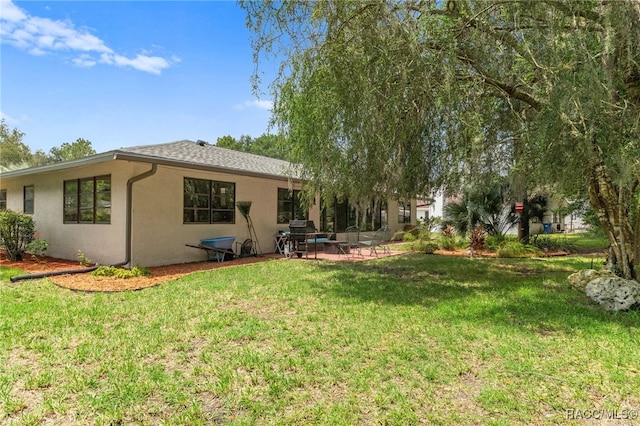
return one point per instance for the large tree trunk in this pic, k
(609, 203)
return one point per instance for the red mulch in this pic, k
(159, 274)
(87, 282)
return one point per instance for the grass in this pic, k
(404, 340)
(585, 241)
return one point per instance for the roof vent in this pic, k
(201, 142)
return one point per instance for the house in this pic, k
(430, 207)
(143, 205)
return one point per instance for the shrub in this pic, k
(425, 246)
(83, 259)
(547, 243)
(494, 242)
(516, 249)
(37, 248)
(448, 231)
(112, 271)
(448, 243)
(16, 232)
(477, 238)
(409, 237)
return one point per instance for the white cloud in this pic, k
(40, 36)
(151, 64)
(12, 121)
(84, 61)
(256, 103)
(10, 12)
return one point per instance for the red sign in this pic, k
(519, 207)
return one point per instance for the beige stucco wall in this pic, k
(102, 243)
(394, 225)
(159, 236)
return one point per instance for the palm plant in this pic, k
(489, 207)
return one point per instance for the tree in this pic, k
(70, 151)
(13, 152)
(399, 98)
(266, 144)
(229, 142)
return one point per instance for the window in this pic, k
(289, 206)
(3, 199)
(87, 200)
(337, 216)
(404, 212)
(29, 195)
(208, 201)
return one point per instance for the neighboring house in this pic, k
(142, 205)
(556, 222)
(559, 222)
(431, 207)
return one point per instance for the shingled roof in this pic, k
(187, 153)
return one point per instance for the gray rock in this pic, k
(614, 293)
(580, 279)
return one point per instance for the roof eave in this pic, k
(79, 162)
(142, 158)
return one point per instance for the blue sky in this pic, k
(127, 73)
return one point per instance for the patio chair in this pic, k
(376, 241)
(353, 235)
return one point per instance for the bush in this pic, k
(425, 246)
(83, 259)
(37, 248)
(448, 231)
(409, 237)
(494, 242)
(516, 249)
(112, 271)
(16, 232)
(448, 243)
(547, 243)
(448, 239)
(477, 238)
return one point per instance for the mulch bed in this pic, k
(159, 274)
(87, 282)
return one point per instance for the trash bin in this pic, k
(547, 228)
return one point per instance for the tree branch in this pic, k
(511, 90)
(586, 14)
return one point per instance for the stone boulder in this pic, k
(580, 279)
(614, 293)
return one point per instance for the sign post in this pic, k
(519, 210)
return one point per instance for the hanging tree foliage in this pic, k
(398, 98)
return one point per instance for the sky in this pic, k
(128, 73)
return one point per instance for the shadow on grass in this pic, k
(532, 294)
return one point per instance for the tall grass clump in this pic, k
(548, 243)
(513, 249)
(448, 239)
(420, 239)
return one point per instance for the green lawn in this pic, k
(405, 340)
